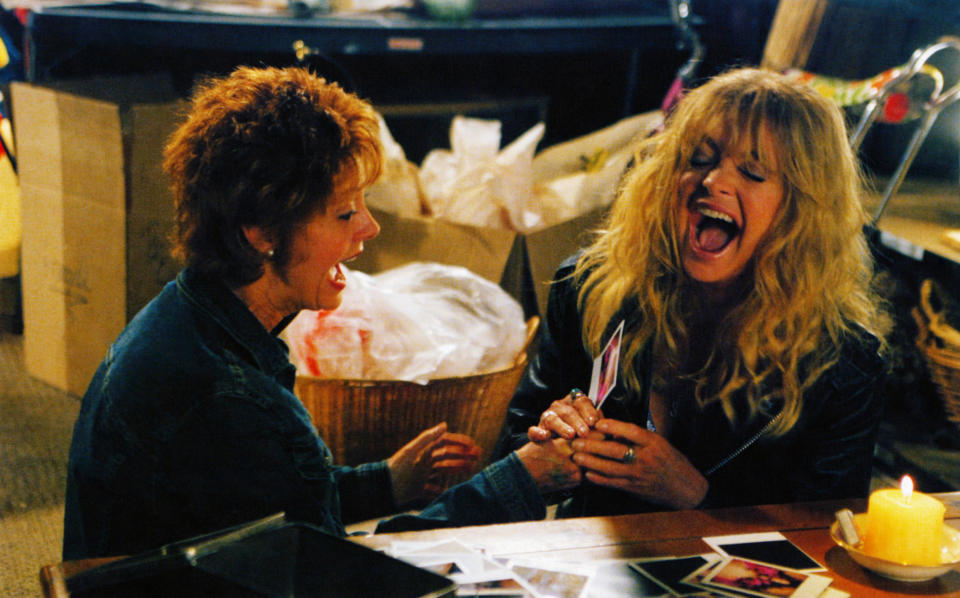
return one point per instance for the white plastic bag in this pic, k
(397, 191)
(417, 322)
(474, 183)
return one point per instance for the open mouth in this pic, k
(714, 229)
(338, 274)
(337, 277)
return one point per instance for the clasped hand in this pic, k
(619, 454)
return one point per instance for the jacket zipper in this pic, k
(744, 446)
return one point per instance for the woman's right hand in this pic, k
(570, 417)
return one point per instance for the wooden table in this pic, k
(675, 533)
(680, 533)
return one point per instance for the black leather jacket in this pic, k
(827, 454)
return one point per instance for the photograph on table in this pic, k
(754, 578)
(561, 580)
(670, 572)
(502, 585)
(615, 579)
(769, 547)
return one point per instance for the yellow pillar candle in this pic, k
(904, 526)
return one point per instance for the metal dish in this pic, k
(949, 554)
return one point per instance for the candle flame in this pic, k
(906, 487)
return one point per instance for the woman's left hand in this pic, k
(418, 470)
(641, 462)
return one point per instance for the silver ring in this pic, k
(629, 457)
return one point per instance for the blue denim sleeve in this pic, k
(501, 493)
(366, 491)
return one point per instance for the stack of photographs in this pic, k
(745, 565)
(478, 574)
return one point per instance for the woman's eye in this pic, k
(753, 173)
(701, 159)
(346, 216)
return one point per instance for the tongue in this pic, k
(713, 237)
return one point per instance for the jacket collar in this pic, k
(214, 298)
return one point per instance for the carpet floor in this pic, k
(36, 423)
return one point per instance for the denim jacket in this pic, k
(827, 454)
(190, 425)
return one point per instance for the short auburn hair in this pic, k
(263, 147)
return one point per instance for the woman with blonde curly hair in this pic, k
(751, 348)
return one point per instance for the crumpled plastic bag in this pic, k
(417, 322)
(477, 184)
(397, 191)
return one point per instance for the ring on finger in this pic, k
(629, 457)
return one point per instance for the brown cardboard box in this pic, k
(523, 264)
(96, 212)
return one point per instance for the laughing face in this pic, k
(314, 279)
(727, 201)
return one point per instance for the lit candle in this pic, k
(904, 526)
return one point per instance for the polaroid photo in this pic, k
(436, 547)
(503, 584)
(670, 572)
(753, 578)
(463, 558)
(696, 578)
(768, 547)
(441, 565)
(605, 367)
(554, 580)
(493, 592)
(615, 579)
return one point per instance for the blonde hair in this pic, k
(811, 273)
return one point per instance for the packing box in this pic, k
(583, 173)
(96, 214)
(523, 264)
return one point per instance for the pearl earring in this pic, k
(270, 253)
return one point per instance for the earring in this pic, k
(270, 253)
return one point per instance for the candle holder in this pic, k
(949, 555)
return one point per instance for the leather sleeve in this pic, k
(561, 363)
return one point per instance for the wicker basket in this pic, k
(368, 420)
(938, 343)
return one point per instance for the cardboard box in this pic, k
(96, 213)
(523, 264)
